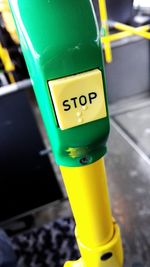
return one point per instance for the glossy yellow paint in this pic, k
(94, 257)
(96, 232)
(88, 195)
(78, 99)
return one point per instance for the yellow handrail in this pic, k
(120, 35)
(133, 30)
(105, 27)
(126, 31)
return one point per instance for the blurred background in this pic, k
(34, 209)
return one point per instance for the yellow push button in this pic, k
(78, 99)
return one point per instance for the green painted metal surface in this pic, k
(58, 39)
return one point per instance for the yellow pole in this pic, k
(123, 27)
(11, 77)
(98, 236)
(8, 20)
(120, 35)
(8, 65)
(87, 190)
(104, 21)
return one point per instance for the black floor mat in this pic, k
(50, 246)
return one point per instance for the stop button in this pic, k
(78, 99)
